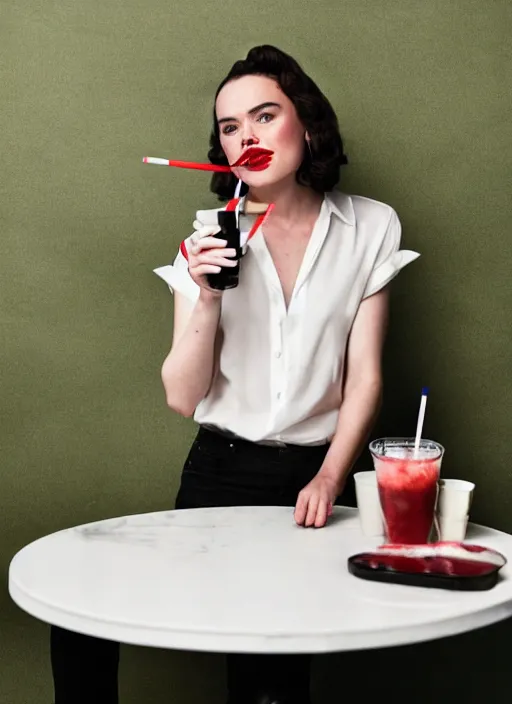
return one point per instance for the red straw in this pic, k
(187, 165)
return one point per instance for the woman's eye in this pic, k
(265, 117)
(228, 129)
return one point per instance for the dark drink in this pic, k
(228, 276)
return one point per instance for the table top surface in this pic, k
(238, 580)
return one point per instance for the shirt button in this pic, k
(278, 395)
(278, 354)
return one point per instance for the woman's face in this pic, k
(254, 110)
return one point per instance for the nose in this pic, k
(249, 142)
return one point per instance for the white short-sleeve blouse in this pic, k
(281, 370)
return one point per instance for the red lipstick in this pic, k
(255, 159)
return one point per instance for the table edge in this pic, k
(222, 642)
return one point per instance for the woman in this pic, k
(283, 372)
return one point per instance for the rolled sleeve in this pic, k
(390, 259)
(177, 277)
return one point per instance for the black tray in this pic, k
(457, 566)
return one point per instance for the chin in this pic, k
(265, 179)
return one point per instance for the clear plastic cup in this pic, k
(408, 486)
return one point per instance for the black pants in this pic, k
(219, 471)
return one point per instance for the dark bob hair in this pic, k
(320, 169)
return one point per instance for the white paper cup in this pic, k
(368, 503)
(451, 528)
(455, 498)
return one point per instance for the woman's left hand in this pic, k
(315, 501)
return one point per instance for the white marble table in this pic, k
(238, 580)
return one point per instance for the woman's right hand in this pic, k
(207, 255)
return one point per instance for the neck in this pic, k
(290, 199)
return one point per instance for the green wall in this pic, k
(423, 95)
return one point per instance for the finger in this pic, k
(204, 269)
(207, 217)
(329, 508)
(321, 514)
(219, 263)
(312, 509)
(198, 247)
(215, 259)
(205, 233)
(301, 508)
(205, 230)
(216, 252)
(219, 252)
(209, 243)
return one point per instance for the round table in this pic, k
(238, 580)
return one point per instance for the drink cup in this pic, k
(452, 528)
(453, 506)
(228, 276)
(455, 498)
(367, 497)
(407, 481)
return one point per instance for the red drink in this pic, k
(407, 485)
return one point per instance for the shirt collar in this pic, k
(341, 205)
(337, 202)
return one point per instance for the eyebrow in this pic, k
(252, 111)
